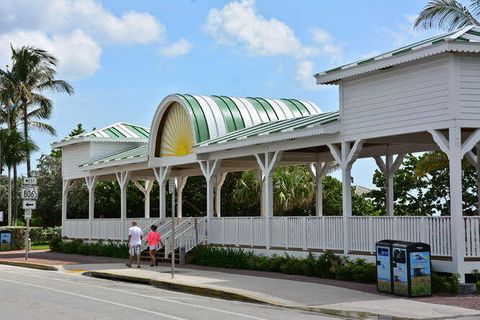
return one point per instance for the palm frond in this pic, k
(446, 15)
(41, 126)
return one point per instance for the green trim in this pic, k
(269, 108)
(305, 112)
(239, 122)
(227, 113)
(203, 123)
(475, 33)
(301, 103)
(296, 110)
(139, 131)
(114, 132)
(260, 109)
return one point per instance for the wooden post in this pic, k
(319, 170)
(388, 168)
(180, 183)
(218, 194)
(146, 189)
(209, 169)
(123, 177)
(162, 174)
(66, 186)
(91, 183)
(267, 162)
(345, 157)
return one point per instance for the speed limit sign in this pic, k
(30, 192)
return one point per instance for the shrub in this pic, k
(445, 283)
(115, 250)
(327, 265)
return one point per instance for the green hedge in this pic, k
(328, 265)
(37, 235)
(115, 250)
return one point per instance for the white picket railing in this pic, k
(189, 238)
(319, 233)
(107, 229)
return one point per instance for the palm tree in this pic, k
(33, 72)
(448, 15)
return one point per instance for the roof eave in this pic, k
(331, 128)
(60, 144)
(335, 76)
(114, 163)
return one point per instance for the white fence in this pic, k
(103, 229)
(319, 233)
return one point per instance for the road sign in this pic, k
(29, 204)
(28, 214)
(29, 192)
(29, 180)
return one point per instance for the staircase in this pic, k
(189, 232)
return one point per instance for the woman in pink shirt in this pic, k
(153, 238)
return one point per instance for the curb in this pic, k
(235, 294)
(30, 265)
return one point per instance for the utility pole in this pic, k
(171, 187)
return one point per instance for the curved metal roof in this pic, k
(215, 116)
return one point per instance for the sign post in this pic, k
(171, 190)
(29, 203)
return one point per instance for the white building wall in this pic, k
(407, 98)
(73, 156)
(469, 88)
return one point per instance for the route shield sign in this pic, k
(29, 204)
(29, 180)
(30, 192)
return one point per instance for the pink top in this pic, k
(153, 238)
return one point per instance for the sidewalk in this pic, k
(311, 296)
(306, 293)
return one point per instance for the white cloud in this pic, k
(179, 48)
(78, 55)
(238, 24)
(87, 15)
(75, 31)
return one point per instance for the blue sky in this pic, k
(123, 57)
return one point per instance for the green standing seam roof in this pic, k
(286, 125)
(115, 132)
(227, 114)
(201, 126)
(133, 153)
(467, 34)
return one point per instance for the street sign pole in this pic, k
(29, 196)
(171, 189)
(27, 239)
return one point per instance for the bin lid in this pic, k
(412, 245)
(386, 242)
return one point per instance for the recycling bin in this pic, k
(412, 269)
(383, 257)
(5, 240)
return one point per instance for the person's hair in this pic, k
(154, 227)
(134, 223)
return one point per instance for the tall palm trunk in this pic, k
(14, 197)
(25, 132)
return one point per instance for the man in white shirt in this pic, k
(135, 237)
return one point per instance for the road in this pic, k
(35, 294)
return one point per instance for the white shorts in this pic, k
(135, 250)
(153, 248)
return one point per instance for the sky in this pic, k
(123, 57)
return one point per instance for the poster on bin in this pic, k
(5, 240)
(400, 275)
(420, 273)
(383, 269)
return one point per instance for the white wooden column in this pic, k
(474, 159)
(180, 183)
(267, 162)
(66, 186)
(388, 168)
(209, 169)
(123, 178)
(91, 182)
(345, 157)
(319, 170)
(218, 193)
(162, 174)
(455, 150)
(145, 189)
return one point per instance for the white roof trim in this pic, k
(334, 76)
(115, 163)
(96, 139)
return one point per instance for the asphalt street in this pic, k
(34, 294)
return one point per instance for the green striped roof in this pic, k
(216, 116)
(133, 153)
(116, 132)
(275, 127)
(467, 34)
